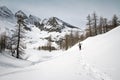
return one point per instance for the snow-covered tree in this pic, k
(20, 35)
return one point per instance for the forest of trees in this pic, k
(48, 46)
(99, 25)
(69, 40)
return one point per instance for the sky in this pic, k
(71, 11)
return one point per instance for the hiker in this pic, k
(79, 46)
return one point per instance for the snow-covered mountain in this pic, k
(20, 12)
(6, 14)
(51, 24)
(37, 30)
(55, 24)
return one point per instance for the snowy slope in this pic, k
(93, 62)
(103, 52)
(9, 63)
(69, 66)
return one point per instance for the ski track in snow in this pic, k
(17, 71)
(92, 71)
(95, 73)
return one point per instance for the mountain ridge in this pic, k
(55, 23)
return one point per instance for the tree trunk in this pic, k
(18, 43)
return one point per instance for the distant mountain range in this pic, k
(38, 30)
(51, 24)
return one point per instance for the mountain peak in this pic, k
(55, 24)
(53, 21)
(21, 13)
(34, 20)
(58, 21)
(5, 12)
(3, 7)
(50, 24)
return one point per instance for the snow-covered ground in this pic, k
(69, 66)
(103, 52)
(9, 63)
(98, 60)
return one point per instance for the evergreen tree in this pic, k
(66, 42)
(95, 23)
(105, 25)
(115, 21)
(100, 27)
(89, 24)
(20, 35)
